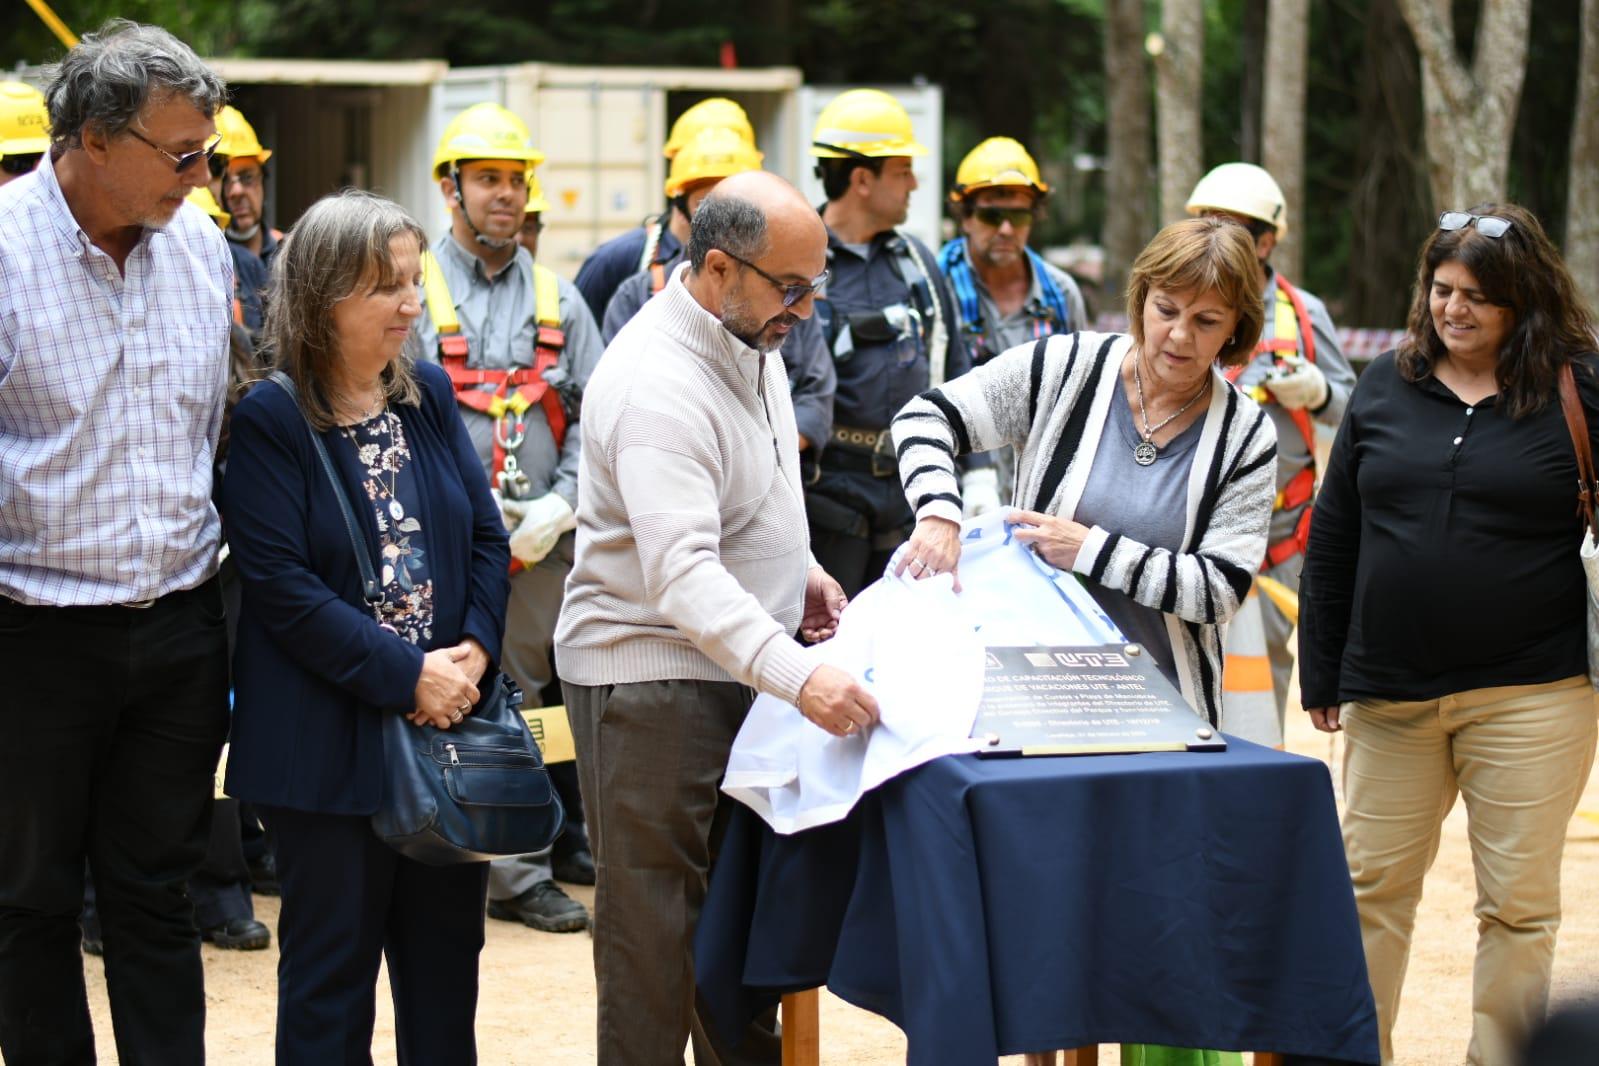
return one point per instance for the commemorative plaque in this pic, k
(1084, 700)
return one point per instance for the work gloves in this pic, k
(1297, 385)
(536, 525)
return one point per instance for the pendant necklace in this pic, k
(1145, 452)
(391, 489)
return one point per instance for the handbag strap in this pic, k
(371, 591)
(1577, 425)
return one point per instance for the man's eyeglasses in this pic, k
(792, 293)
(1018, 217)
(20, 164)
(244, 179)
(181, 162)
(1488, 225)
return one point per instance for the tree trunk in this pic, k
(1127, 146)
(1179, 65)
(1283, 125)
(1582, 192)
(1388, 201)
(1252, 58)
(1470, 113)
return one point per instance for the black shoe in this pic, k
(544, 907)
(238, 934)
(575, 869)
(93, 946)
(264, 876)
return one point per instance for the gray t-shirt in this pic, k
(1148, 504)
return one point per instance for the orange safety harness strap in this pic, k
(1302, 487)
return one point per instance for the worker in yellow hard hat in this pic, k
(24, 129)
(663, 236)
(533, 217)
(519, 344)
(1299, 374)
(238, 185)
(714, 154)
(1005, 293)
(888, 320)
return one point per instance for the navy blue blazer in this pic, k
(312, 670)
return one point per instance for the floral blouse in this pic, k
(390, 485)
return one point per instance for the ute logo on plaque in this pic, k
(1084, 700)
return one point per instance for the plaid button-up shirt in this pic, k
(110, 400)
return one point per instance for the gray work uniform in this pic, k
(1004, 332)
(1293, 455)
(499, 320)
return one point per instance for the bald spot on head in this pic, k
(796, 237)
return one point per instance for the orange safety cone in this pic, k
(1248, 704)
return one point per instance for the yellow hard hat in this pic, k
(997, 162)
(484, 131)
(536, 203)
(716, 113)
(864, 122)
(24, 122)
(711, 156)
(1241, 189)
(238, 136)
(203, 199)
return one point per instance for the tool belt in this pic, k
(863, 449)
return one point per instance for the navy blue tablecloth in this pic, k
(998, 906)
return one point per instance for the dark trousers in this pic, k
(651, 758)
(350, 901)
(857, 520)
(113, 719)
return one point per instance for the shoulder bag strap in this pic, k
(1577, 425)
(371, 591)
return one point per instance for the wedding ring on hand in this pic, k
(849, 727)
(918, 564)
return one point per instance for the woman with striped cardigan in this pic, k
(1145, 472)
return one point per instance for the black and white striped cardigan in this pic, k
(1049, 401)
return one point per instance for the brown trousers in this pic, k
(651, 757)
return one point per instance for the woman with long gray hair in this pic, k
(316, 669)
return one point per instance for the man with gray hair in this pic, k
(115, 304)
(693, 572)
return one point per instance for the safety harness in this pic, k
(899, 320)
(1052, 317)
(1292, 327)
(515, 390)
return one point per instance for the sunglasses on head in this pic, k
(998, 216)
(19, 164)
(186, 160)
(1488, 225)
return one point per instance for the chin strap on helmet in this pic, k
(496, 243)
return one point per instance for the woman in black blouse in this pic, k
(1442, 618)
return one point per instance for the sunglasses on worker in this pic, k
(1018, 217)
(792, 293)
(187, 159)
(1488, 225)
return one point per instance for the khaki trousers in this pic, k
(1520, 756)
(650, 761)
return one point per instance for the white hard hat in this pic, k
(1241, 189)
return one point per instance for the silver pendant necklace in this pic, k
(1145, 452)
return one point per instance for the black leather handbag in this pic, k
(473, 792)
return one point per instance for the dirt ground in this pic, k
(537, 1003)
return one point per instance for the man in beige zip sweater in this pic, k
(693, 572)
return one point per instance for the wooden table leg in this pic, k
(802, 1028)
(1087, 1055)
(1268, 1058)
